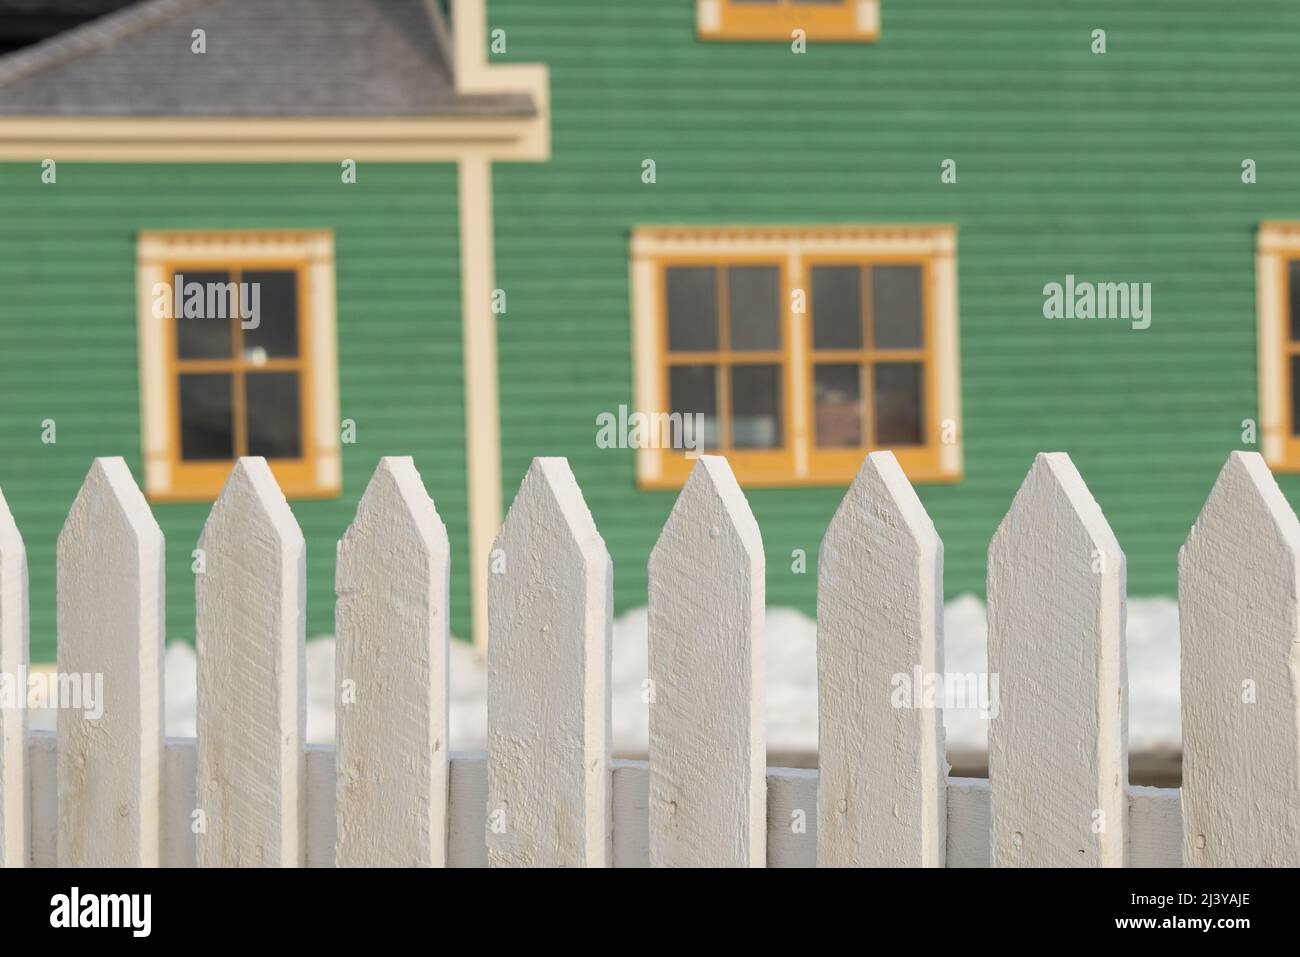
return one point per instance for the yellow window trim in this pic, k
(796, 249)
(846, 21)
(1277, 244)
(318, 473)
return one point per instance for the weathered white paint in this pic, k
(466, 837)
(550, 597)
(968, 823)
(251, 676)
(705, 633)
(1057, 748)
(391, 665)
(1155, 828)
(1239, 622)
(792, 817)
(110, 625)
(880, 800)
(14, 786)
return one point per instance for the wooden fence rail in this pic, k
(108, 790)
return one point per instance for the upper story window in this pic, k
(799, 349)
(841, 20)
(1277, 298)
(237, 348)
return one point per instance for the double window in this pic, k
(799, 349)
(237, 358)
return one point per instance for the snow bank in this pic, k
(791, 682)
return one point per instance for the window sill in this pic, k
(854, 21)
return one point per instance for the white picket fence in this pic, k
(248, 791)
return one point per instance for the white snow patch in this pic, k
(791, 682)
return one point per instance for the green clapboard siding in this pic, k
(68, 343)
(1119, 167)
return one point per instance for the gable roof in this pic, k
(304, 58)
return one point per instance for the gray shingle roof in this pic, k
(264, 58)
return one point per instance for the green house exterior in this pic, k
(1117, 166)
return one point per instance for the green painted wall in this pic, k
(1123, 166)
(1116, 167)
(68, 343)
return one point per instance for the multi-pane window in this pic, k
(240, 385)
(820, 20)
(236, 336)
(724, 352)
(800, 349)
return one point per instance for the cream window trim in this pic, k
(1277, 243)
(798, 246)
(320, 426)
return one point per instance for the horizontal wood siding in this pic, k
(68, 343)
(1119, 167)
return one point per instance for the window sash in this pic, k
(800, 461)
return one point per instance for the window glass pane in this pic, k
(274, 422)
(692, 298)
(754, 298)
(272, 300)
(896, 307)
(1293, 275)
(898, 411)
(837, 307)
(1295, 395)
(837, 393)
(207, 423)
(203, 319)
(694, 389)
(756, 407)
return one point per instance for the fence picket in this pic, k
(707, 721)
(1239, 618)
(550, 605)
(110, 642)
(391, 658)
(883, 773)
(14, 786)
(1057, 747)
(251, 679)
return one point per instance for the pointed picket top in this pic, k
(882, 785)
(249, 597)
(711, 492)
(251, 496)
(550, 615)
(708, 758)
(1239, 622)
(1058, 762)
(109, 494)
(1053, 500)
(13, 717)
(110, 623)
(391, 656)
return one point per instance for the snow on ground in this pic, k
(791, 682)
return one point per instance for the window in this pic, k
(1277, 296)
(238, 357)
(852, 20)
(800, 349)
